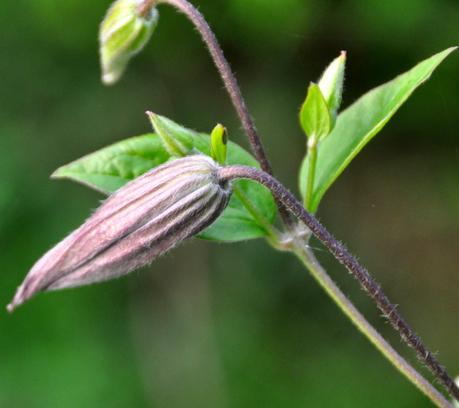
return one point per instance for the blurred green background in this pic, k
(227, 325)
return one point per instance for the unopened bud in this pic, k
(138, 223)
(331, 83)
(123, 33)
(219, 144)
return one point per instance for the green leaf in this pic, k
(314, 115)
(108, 169)
(359, 123)
(176, 143)
(234, 225)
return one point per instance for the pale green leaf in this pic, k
(315, 115)
(109, 168)
(359, 123)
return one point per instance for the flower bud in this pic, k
(331, 84)
(123, 33)
(139, 222)
(219, 144)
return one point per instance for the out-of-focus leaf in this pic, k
(359, 123)
(123, 33)
(110, 168)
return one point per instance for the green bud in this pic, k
(175, 141)
(219, 144)
(331, 84)
(125, 30)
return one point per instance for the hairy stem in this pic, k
(286, 200)
(230, 82)
(227, 76)
(308, 259)
(341, 253)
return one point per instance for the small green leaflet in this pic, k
(359, 123)
(110, 168)
(314, 115)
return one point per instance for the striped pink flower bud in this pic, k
(139, 222)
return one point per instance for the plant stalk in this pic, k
(306, 256)
(227, 76)
(231, 86)
(312, 155)
(341, 253)
(286, 200)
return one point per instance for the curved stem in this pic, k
(341, 253)
(284, 197)
(230, 83)
(308, 259)
(227, 76)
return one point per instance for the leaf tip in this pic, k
(153, 117)
(448, 51)
(56, 174)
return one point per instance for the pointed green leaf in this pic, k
(108, 169)
(359, 123)
(314, 115)
(177, 144)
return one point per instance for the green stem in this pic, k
(308, 259)
(312, 156)
(342, 254)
